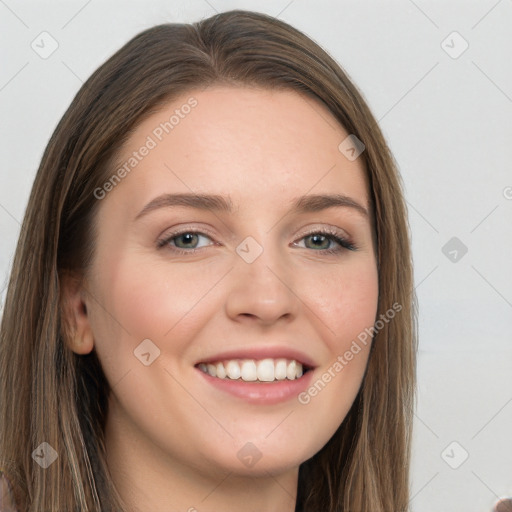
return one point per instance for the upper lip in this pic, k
(258, 353)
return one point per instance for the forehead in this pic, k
(256, 145)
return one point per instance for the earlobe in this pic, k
(83, 341)
(76, 329)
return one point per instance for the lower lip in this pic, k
(264, 393)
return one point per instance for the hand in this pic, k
(503, 505)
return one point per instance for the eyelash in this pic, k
(344, 243)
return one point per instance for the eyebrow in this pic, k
(211, 202)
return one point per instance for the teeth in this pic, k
(291, 370)
(250, 370)
(266, 370)
(280, 369)
(221, 372)
(233, 370)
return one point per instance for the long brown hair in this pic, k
(50, 394)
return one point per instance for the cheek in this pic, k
(345, 299)
(140, 299)
(346, 303)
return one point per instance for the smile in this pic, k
(253, 370)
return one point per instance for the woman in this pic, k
(270, 365)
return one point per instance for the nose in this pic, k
(262, 291)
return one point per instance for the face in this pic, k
(254, 282)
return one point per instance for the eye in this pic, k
(322, 241)
(183, 242)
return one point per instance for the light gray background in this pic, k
(448, 122)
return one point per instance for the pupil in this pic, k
(318, 238)
(187, 237)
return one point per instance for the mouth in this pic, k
(255, 370)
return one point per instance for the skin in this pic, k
(172, 439)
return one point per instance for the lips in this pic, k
(261, 393)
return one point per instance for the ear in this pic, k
(76, 328)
